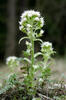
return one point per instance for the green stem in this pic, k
(32, 55)
(45, 61)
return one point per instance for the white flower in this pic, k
(28, 25)
(30, 13)
(27, 22)
(23, 20)
(35, 66)
(47, 49)
(28, 28)
(13, 58)
(41, 32)
(37, 19)
(42, 22)
(47, 44)
(40, 80)
(27, 43)
(20, 27)
(24, 14)
(38, 14)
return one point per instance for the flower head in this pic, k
(46, 44)
(12, 60)
(47, 49)
(30, 22)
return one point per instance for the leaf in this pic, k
(22, 39)
(37, 54)
(38, 40)
(26, 59)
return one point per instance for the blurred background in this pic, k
(54, 12)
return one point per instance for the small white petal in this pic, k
(28, 25)
(41, 32)
(36, 19)
(20, 27)
(27, 43)
(47, 44)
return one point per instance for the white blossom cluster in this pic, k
(46, 48)
(31, 21)
(12, 60)
(46, 44)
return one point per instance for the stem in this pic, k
(45, 61)
(32, 55)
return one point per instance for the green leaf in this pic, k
(37, 54)
(28, 60)
(38, 40)
(23, 39)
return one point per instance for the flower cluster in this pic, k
(30, 22)
(46, 48)
(12, 60)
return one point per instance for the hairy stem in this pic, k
(32, 55)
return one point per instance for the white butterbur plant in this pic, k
(35, 72)
(31, 24)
